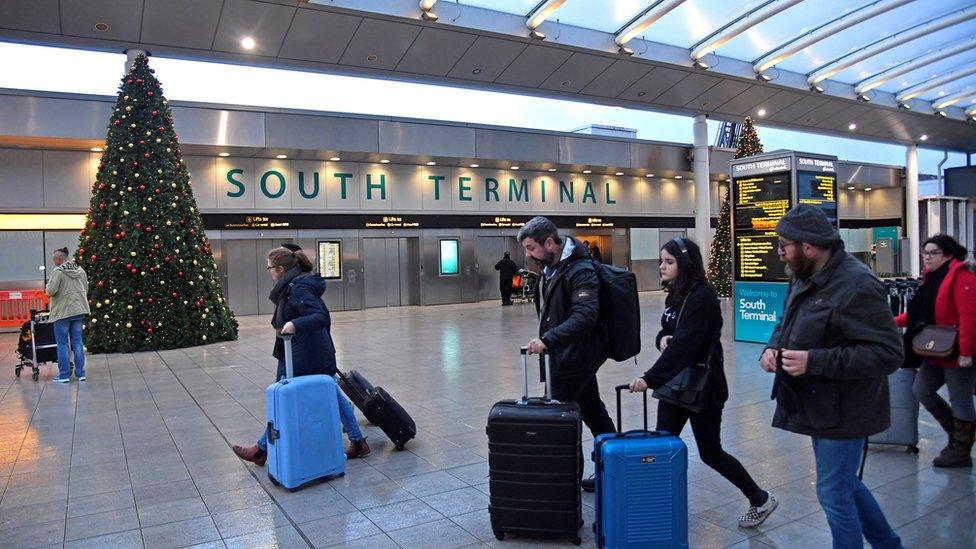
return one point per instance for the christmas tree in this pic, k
(720, 256)
(152, 277)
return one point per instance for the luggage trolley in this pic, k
(37, 344)
(523, 285)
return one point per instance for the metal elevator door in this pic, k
(381, 265)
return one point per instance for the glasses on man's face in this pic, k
(271, 267)
(931, 253)
(783, 244)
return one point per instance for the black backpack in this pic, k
(619, 311)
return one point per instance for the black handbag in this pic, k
(687, 388)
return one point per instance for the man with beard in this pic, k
(831, 352)
(567, 300)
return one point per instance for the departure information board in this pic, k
(757, 258)
(818, 189)
(761, 201)
(330, 259)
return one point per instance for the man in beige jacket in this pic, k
(68, 290)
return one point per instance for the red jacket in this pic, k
(955, 305)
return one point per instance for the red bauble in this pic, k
(138, 225)
(138, 293)
(146, 155)
(148, 228)
(134, 271)
(149, 301)
(149, 329)
(93, 224)
(117, 122)
(149, 93)
(94, 257)
(138, 81)
(156, 245)
(108, 223)
(128, 266)
(114, 261)
(180, 274)
(154, 112)
(142, 141)
(174, 294)
(100, 284)
(101, 186)
(128, 81)
(123, 234)
(157, 191)
(167, 259)
(161, 128)
(152, 269)
(142, 187)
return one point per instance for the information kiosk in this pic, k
(763, 188)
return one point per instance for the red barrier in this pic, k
(16, 305)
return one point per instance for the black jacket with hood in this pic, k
(569, 315)
(842, 317)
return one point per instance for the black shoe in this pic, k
(589, 484)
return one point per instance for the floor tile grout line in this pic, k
(67, 497)
(20, 449)
(125, 455)
(221, 434)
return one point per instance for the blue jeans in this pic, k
(63, 330)
(850, 508)
(346, 413)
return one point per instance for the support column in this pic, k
(130, 56)
(911, 207)
(703, 210)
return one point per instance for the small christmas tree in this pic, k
(720, 256)
(152, 276)
(748, 144)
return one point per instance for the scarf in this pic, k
(279, 294)
(921, 309)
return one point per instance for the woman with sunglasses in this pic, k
(691, 329)
(946, 297)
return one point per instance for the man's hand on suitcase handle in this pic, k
(638, 385)
(288, 328)
(536, 346)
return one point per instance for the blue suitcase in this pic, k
(641, 487)
(304, 430)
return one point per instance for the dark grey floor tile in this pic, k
(285, 537)
(431, 483)
(338, 529)
(181, 534)
(172, 511)
(119, 540)
(402, 515)
(442, 534)
(33, 535)
(100, 503)
(222, 502)
(99, 524)
(458, 502)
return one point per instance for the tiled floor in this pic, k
(140, 454)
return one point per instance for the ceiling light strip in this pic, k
(645, 19)
(908, 94)
(886, 44)
(542, 11)
(846, 21)
(953, 99)
(913, 64)
(739, 25)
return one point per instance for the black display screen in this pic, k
(818, 189)
(760, 201)
(757, 258)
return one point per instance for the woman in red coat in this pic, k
(947, 297)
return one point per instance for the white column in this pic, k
(911, 207)
(130, 56)
(703, 210)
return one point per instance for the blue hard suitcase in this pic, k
(641, 487)
(304, 430)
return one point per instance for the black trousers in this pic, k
(585, 392)
(506, 288)
(707, 427)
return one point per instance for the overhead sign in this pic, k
(259, 222)
(764, 166)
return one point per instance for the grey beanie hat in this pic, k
(806, 223)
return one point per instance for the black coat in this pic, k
(569, 311)
(842, 316)
(506, 269)
(695, 340)
(312, 349)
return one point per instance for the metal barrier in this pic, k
(16, 305)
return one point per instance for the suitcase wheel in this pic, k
(17, 370)
(577, 541)
(913, 449)
(500, 536)
(273, 481)
(36, 375)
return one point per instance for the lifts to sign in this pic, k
(273, 184)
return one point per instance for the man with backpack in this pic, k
(568, 304)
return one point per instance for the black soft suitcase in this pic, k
(379, 408)
(534, 465)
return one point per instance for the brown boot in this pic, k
(254, 454)
(943, 414)
(959, 455)
(357, 449)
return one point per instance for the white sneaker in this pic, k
(61, 380)
(757, 515)
(82, 378)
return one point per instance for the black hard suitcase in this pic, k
(379, 408)
(534, 465)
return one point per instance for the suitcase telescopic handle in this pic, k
(620, 389)
(525, 376)
(289, 363)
